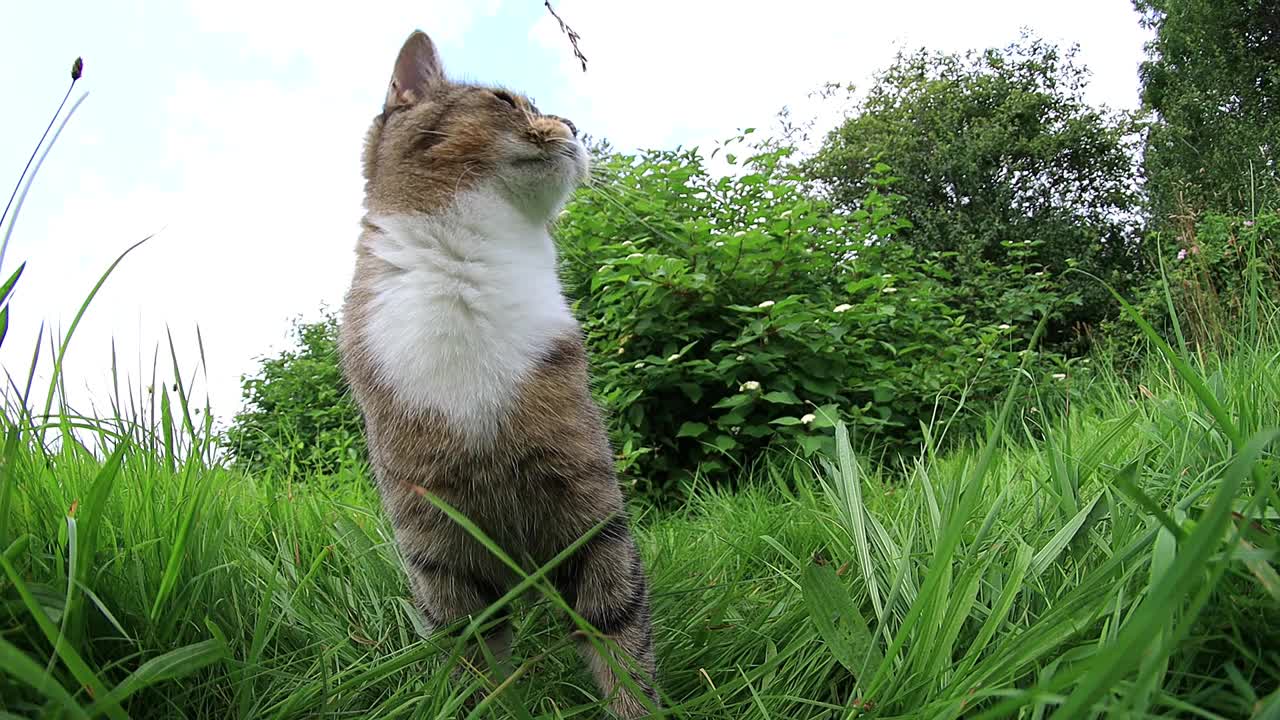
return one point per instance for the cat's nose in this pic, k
(573, 129)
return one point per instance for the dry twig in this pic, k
(573, 36)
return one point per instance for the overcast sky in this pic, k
(232, 129)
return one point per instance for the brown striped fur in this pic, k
(547, 476)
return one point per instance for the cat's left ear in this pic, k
(417, 73)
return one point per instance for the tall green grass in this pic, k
(1115, 557)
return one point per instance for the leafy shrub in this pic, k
(995, 150)
(1222, 271)
(299, 420)
(726, 314)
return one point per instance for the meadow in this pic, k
(1110, 555)
(888, 455)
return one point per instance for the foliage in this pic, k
(726, 314)
(994, 149)
(1213, 282)
(299, 420)
(1213, 80)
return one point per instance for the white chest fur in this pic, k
(472, 304)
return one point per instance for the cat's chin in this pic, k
(539, 184)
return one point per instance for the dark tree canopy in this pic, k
(1213, 81)
(995, 150)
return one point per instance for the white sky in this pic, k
(233, 130)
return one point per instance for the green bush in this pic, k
(1223, 272)
(996, 150)
(729, 314)
(299, 420)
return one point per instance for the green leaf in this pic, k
(691, 429)
(8, 284)
(838, 622)
(170, 666)
(1056, 544)
(782, 397)
(733, 401)
(17, 665)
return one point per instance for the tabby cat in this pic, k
(469, 368)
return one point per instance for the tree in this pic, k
(299, 420)
(997, 150)
(1213, 81)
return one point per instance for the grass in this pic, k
(1116, 559)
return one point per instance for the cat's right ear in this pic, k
(417, 74)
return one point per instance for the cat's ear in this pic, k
(417, 73)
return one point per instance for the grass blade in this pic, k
(1183, 575)
(75, 323)
(838, 621)
(23, 668)
(172, 665)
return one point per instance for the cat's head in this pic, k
(436, 140)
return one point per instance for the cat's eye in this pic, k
(506, 97)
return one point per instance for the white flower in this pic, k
(1182, 254)
(841, 307)
(740, 233)
(808, 418)
(765, 304)
(750, 385)
(674, 358)
(633, 256)
(621, 350)
(719, 243)
(1003, 326)
(1059, 376)
(889, 290)
(1040, 274)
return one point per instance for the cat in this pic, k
(470, 371)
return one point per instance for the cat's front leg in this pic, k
(605, 583)
(446, 593)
